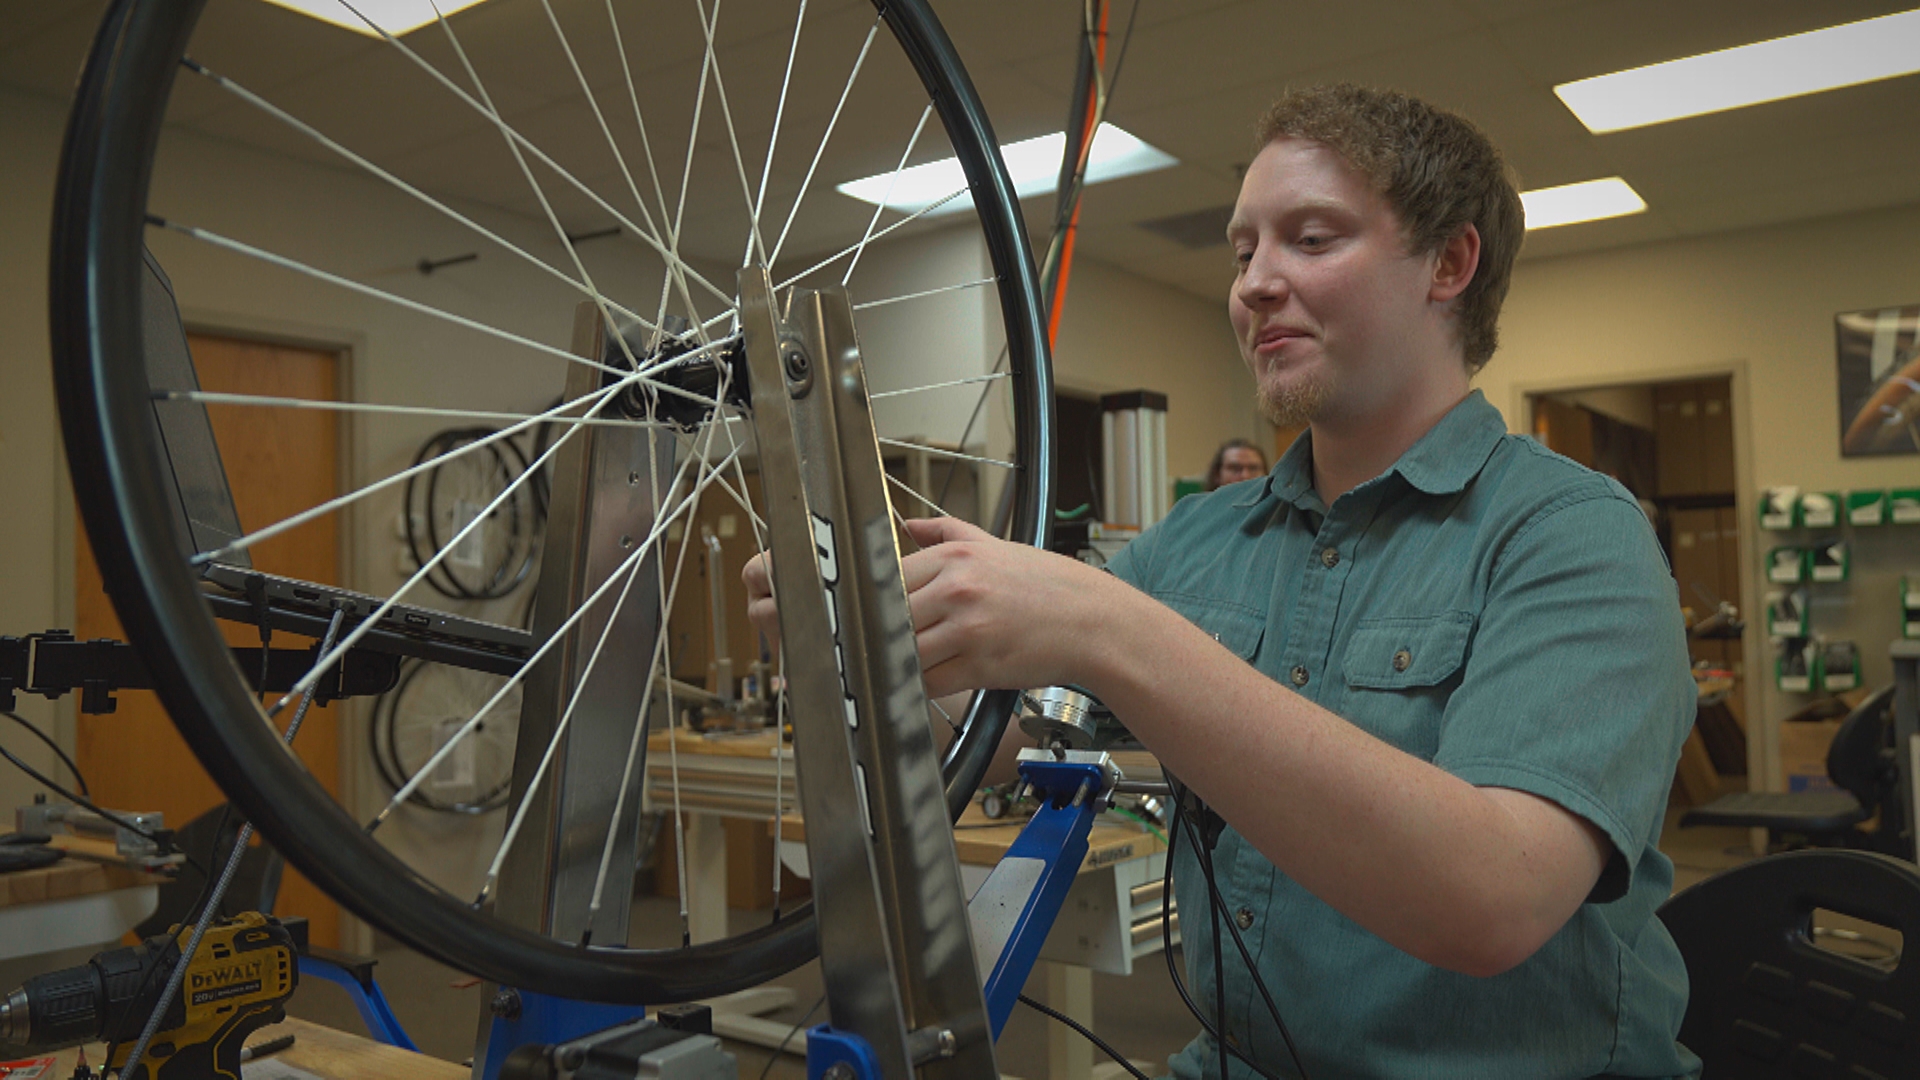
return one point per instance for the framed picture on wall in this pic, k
(1878, 355)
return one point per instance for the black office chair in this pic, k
(1766, 1001)
(1863, 766)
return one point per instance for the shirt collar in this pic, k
(1443, 462)
(1452, 452)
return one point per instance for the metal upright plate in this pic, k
(895, 944)
(602, 504)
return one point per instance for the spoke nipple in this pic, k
(633, 478)
(626, 542)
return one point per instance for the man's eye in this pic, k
(1241, 259)
(1312, 242)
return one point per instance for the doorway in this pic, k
(278, 463)
(1672, 445)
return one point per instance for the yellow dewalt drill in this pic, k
(237, 982)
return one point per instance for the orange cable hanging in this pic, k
(1058, 301)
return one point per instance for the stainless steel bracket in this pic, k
(895, 945)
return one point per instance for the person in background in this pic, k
(1236, 460)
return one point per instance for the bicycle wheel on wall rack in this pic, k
(494, 557)
(254, 188)
(422, 713)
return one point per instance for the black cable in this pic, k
(1273, 1010)
(1219, 967)
(782, 1048)
(1173, 971)
(55, 747)
(1088, 1035)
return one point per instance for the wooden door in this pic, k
(278, 462)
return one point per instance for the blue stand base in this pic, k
(843, 1054)
(374, 1010)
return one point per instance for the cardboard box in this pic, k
(1803, 753)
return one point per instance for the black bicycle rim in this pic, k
(98, 231)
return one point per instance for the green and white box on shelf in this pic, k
(1779, 507)
(1787, 565)
(1820, 509)
(1866, 507)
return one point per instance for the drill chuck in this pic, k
(15, 1028)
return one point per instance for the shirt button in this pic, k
(1330, 558)
(1244, 917)
(1402, 660)
(1299, 676)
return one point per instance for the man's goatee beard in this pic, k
(1295, 403)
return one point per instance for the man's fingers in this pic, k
(940, 530)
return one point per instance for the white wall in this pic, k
(1761, 304)
(1123, 332)
(36, 588)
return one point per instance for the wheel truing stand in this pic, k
(901, 953)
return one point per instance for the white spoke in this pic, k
(929, 503)
(374, 619)
(941, 385)
(861, 248)
(693, 141)
(539, 193)
(848, 250)
(924, 293)
(828, 134)
(779, 114)
(594, 104)
(328, 507)
(622, 574)
(726, 113)
(538, 153)
(675, 277)
(955, 454)
(208, 397)
(851, 248)
(313, 133)
(285, 263)
(626, 569)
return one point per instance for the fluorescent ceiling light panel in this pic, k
(1589, 200)
(396, 17)
(1808, 63)
(1034, 165)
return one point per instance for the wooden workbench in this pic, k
(323, 1052)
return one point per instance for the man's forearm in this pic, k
(1471, 879)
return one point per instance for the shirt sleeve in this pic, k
(1577, 687)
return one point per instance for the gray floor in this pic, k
(1141, 1015)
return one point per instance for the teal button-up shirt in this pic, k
(1497, 610)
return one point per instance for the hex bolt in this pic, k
(839, 1070)
(797, 364)
(505, 1003)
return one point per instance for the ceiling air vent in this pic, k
(1195, 229)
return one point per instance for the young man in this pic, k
(1431, 676)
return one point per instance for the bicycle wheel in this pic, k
(121, 126)
(495, 557)
(422, 713)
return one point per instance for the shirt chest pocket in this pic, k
(1400, 673)
(1238, 628)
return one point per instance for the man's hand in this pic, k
(988, 613)
(992, 614)
(758, 577)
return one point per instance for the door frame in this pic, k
(1763, 736)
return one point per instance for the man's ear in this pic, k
(1453, 271)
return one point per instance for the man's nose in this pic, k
(1262, 282)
